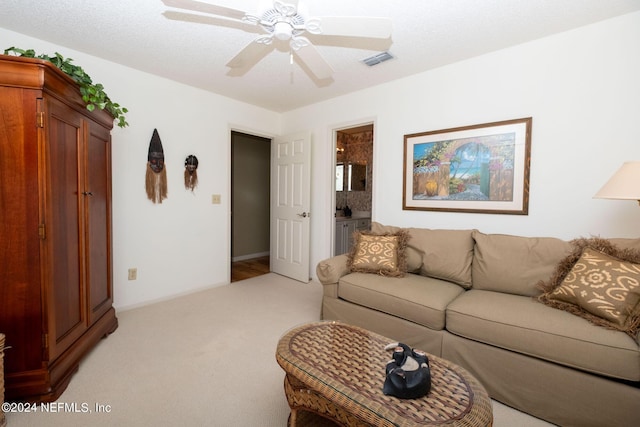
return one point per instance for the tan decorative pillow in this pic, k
(382, 254)
(599, 282)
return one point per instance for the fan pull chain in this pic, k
(291, 68)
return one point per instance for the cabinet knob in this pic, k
(87, 193)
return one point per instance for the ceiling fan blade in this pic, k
(310, 57)
(351, 26)
(198, 6)
(286, 7)
(211, 20)
(251, 54)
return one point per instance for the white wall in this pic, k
(181, 245)
(582, 89)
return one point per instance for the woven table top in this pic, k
(346, 365)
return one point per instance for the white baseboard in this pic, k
(122, 308)
(249, 256)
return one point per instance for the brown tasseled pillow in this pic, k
(599, 282)
(382, 254)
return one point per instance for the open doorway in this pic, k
(353, 184)
(250, 205)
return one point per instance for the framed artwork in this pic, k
(480, 168)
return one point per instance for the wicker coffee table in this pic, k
(337, 371)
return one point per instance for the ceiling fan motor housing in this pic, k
(282, 30)
(281, 26)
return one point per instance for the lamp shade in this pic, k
(624, 184)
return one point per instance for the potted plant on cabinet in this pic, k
(93, 94)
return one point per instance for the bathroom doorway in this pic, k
(353, 183)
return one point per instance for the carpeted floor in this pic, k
(205, 359)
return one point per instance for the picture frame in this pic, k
(480, 168)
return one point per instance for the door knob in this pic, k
(304, 214)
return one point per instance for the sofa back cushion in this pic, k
(625, 243)
(446, 254)
(515, 264)
(441, 254)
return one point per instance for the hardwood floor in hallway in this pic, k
(245, 269)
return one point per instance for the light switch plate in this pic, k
(215, 199)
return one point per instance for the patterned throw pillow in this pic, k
(601, 285)
(382, 254)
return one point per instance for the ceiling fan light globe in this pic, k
(282, 30)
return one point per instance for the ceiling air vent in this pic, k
(376, 59)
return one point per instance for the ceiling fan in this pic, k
(284, 23)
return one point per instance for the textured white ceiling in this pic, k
(426, 34)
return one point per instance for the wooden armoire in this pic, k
(56, 289)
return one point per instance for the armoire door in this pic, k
(63, 244)
(97, 189)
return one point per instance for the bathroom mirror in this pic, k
(351, 177)
(357, 177)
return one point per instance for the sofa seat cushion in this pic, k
(418, 299)
(521, 324)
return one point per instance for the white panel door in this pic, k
(290, 205)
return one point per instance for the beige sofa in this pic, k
(469, 298)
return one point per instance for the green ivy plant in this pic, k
(92, 94)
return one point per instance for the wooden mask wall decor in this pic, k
(156, 177)
(190, 172)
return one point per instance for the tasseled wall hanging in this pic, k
(190, 172)
(156, 177)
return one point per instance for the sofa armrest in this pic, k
(332, 269)
(329, 272)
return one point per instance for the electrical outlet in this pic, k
(215, 199)
(133, 273)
